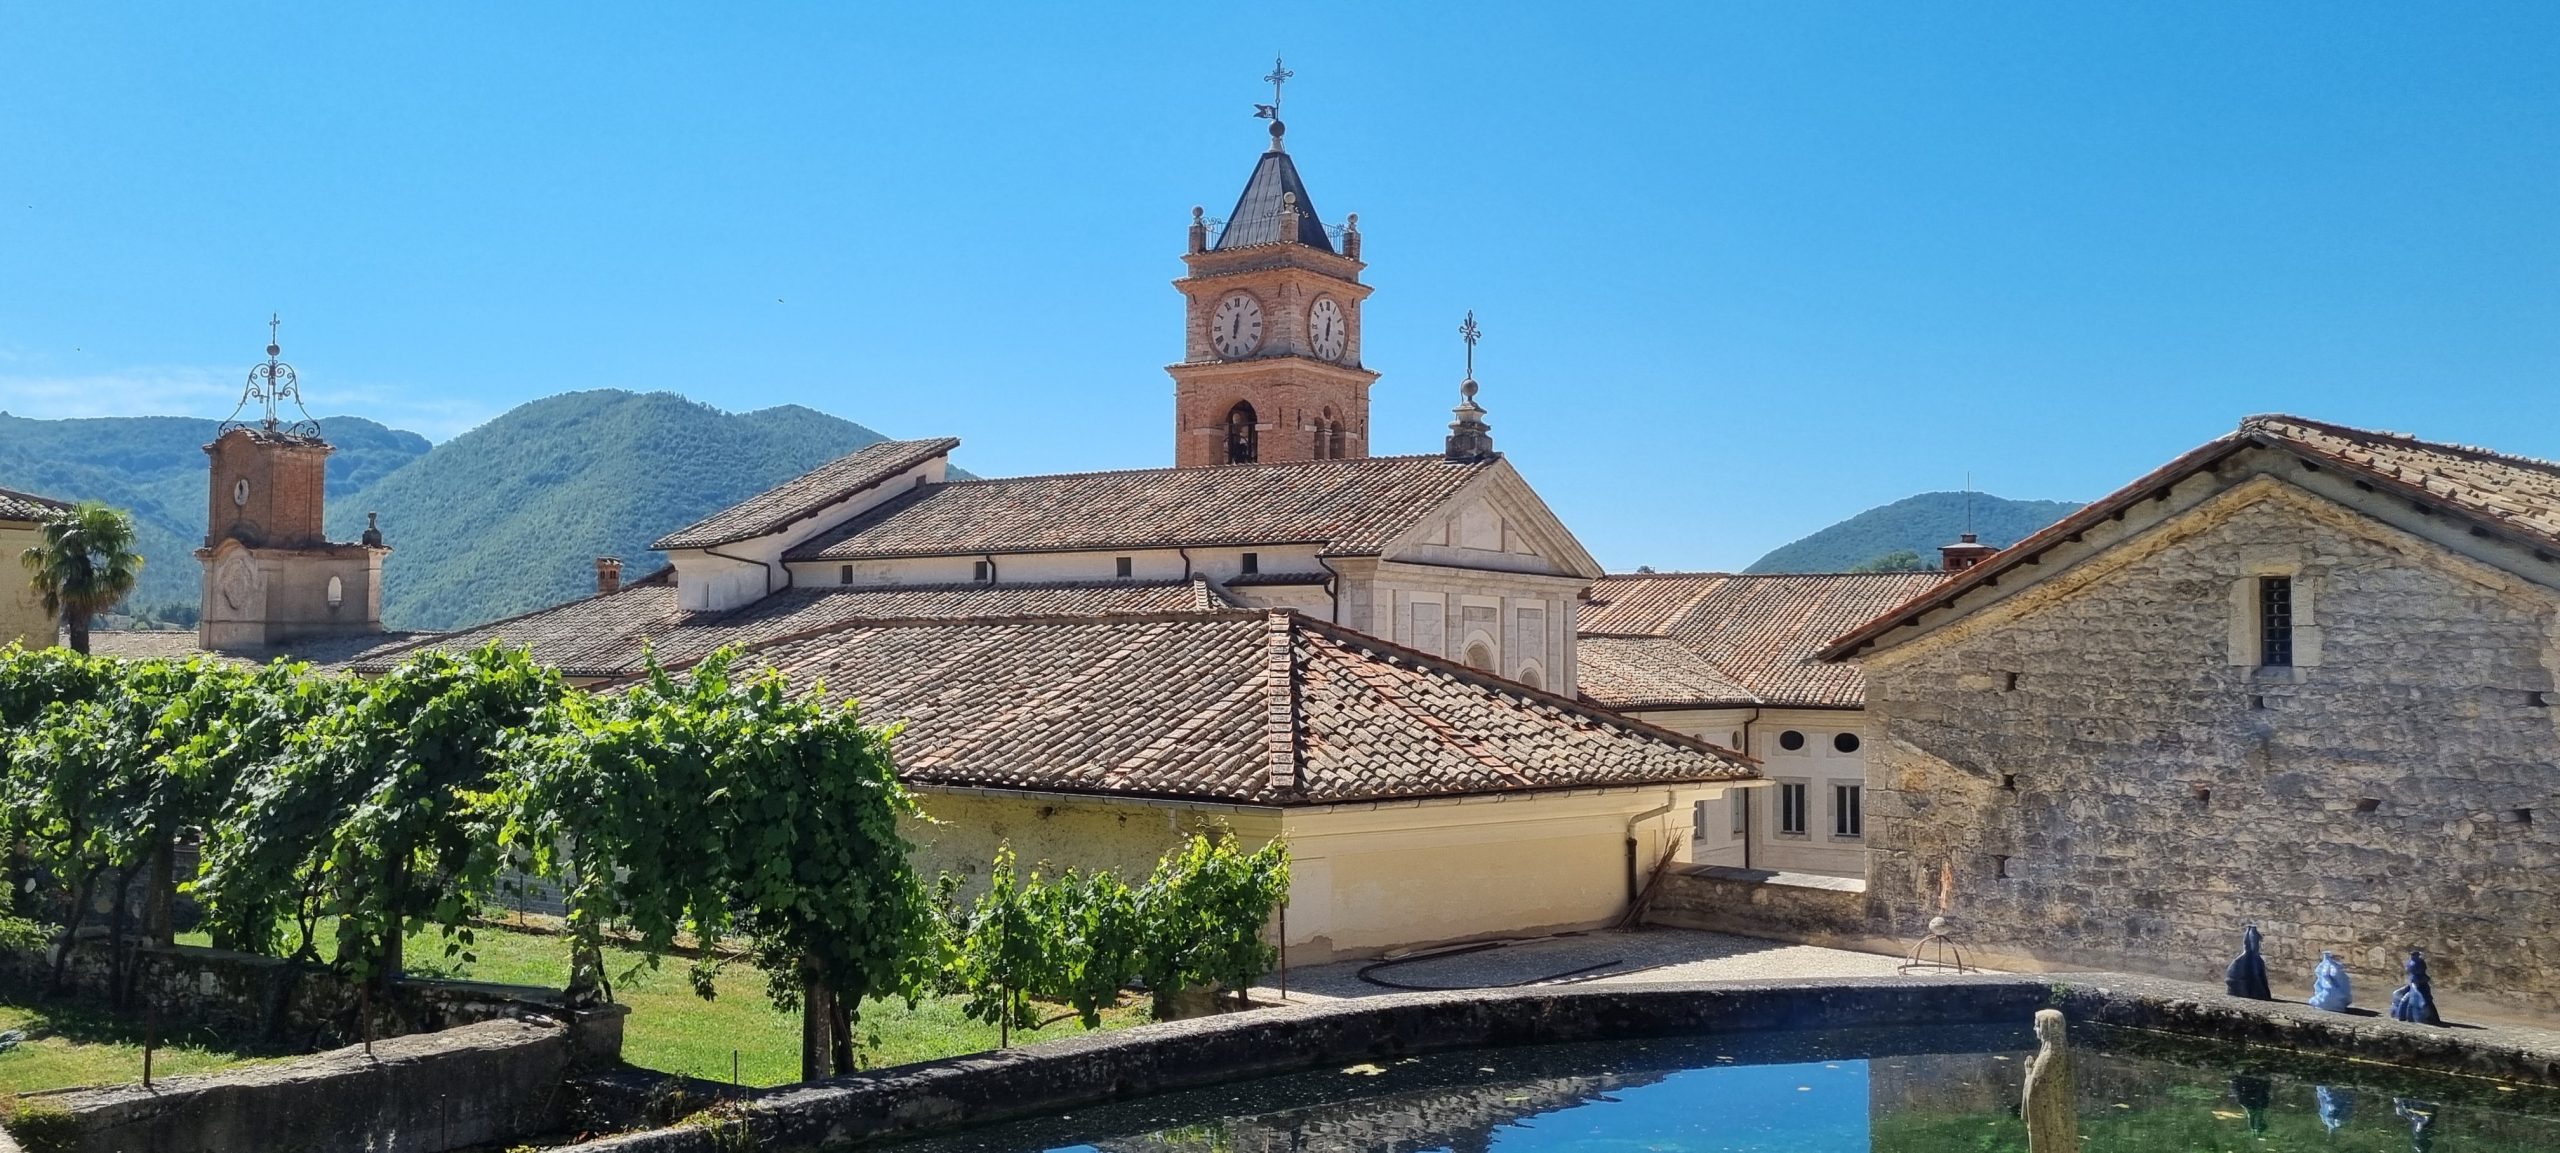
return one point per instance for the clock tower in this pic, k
(1270, 368)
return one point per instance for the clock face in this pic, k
(1235, 329)
(1325, 328)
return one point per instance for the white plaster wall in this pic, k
(1819, 765)
(22, 615)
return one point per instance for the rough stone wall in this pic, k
(472, 1086)
(1728, 900)
(2085, 775)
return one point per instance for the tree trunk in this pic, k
(817, 1015)
(840, 1021)
(119, 938)
(80, 898)
(160, 920)
(77, 624)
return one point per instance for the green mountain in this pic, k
(503, 519)
(1917, 524)
(154, 467)
(510, 516)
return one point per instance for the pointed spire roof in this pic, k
(1256, 219)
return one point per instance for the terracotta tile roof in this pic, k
(1700, 640)
(15, 505)
(1351, 507)
(606, 635)
(803, 496)
(2514, 497)
(1261, 708)
(330, 653)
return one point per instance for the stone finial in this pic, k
(1351, 236)
(1288, 218)
(2052, 1124)
(608, 574)
(1470, 438)
(372, 530)
(1199, 229)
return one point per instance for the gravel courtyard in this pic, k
(1598, 956)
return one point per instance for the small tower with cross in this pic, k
(1470, 438)
(1271, 371)
(271, 574)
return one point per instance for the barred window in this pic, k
(1792, 806)
(1848, 815)
(2275, 621)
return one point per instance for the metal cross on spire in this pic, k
(1278, 76)
(1468, 332)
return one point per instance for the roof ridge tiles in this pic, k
(2265, 421)
(1340, 462)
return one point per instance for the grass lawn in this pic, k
(672, 1030)
(70, 1043)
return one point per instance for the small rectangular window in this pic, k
(844, 574)
(2275, 621)
(1847, 817)
(1741, 812)
(1698, 821)
(1253, 562)
(982, 571)
(1792, 796)
(1120, 565)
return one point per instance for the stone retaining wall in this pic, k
(1080, 1071)
(1827, 911)
(489, 1082)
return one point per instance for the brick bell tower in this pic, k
(1270, 370)
(271, 576)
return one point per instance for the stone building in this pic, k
(1730, 658)
(2302, 675)
(1283, 636)
(23, 619)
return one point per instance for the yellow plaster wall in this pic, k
(1124, 837)
(22, 615)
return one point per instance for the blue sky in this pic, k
(1743, 269)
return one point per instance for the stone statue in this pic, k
(2337, 1106)
(2416, 1001)
(2329, 986)
(2052, 1124)
(2247, 976)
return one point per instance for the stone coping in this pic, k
(1744, 876)
(1077, 1071)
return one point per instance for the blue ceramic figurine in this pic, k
(2416, 1001)
(2329, 986)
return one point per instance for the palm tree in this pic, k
(84, 566)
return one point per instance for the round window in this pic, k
(240, 491)
(1845, 742)
(1791, 740)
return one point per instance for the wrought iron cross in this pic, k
(1470, 333)
(1280, 75)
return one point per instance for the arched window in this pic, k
(1480, 658)
(1244, 442)
(1530, 676)
(1328, 437)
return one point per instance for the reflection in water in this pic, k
(1906, 1091)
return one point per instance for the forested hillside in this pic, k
(502, 519)
(1916, 524)
(154, 467)
(510, 516)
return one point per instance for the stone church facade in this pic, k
(2302, 676)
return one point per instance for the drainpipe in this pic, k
(1745, 750)
(768, 568)
(1333, 589)
(992, 574)
(1186, 564)
(1634, 885)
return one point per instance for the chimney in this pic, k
(608, 574)
(1967, 552)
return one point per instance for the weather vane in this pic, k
(1468, 332)
(269, 385)
(1280, 75)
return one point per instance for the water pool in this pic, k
(1937, 1090)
